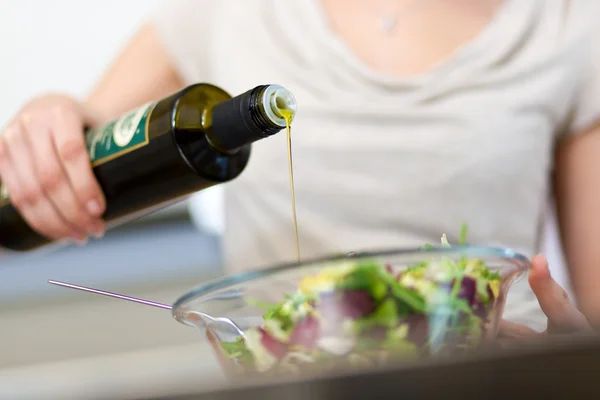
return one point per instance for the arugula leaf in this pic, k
(238, 350)
(454, 296)
(375, 280)
(456, 288)
(282, 312)
(463, 263)
(234, 347)
(482, 292)
(278, 313)
(492, 276)
(386, 315)
(410, 297)
(299, 298)
(464, 230)
(396, 341)
(365, 277)
(417, 267)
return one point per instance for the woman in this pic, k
(415, 115)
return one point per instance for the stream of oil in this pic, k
(288, 115)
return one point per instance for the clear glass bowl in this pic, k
(397, 304)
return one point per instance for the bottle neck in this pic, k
(246, 118)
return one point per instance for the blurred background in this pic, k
(58, 343)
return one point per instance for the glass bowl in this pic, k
(356, 310)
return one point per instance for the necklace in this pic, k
(387, 23)
(386, 20)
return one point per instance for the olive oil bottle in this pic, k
(167, 150)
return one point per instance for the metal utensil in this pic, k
(225, 326)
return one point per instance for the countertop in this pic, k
(568, 370)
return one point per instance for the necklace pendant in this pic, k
(387, 23)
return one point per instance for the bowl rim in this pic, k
(522, 264)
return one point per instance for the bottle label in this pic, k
(119, 137)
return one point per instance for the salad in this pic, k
(362, 312)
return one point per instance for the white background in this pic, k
(60, 44)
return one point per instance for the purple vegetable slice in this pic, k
(306, 333)
(352, 304)
(273, 346)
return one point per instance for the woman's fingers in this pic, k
(45, 167)
(563, 316)
(69, 142)
(53, 178)
(26, 194)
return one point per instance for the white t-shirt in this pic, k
(384, 162)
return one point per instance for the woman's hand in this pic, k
(44, 162)
(46, 170)
(563, 316)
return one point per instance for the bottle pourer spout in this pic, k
(280, 103)
(283, 103)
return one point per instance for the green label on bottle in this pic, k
(119, 137)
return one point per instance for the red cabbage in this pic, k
(468, 290)
(306, 333)
(347, 304)
(273, 346)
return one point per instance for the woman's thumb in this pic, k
(563, 316)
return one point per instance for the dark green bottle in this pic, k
(165, 151)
